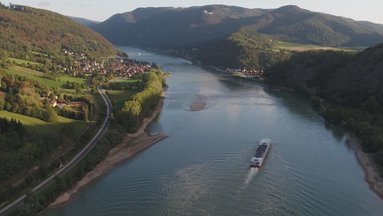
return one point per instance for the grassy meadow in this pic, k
(40, 126)
(21, 61)
(119, 97)
(305, 47)
(39, 77)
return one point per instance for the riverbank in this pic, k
(372, 175)
(132, 144)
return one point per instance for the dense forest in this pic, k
(19, 149)
(243, 49)
(25, 31)
(346, 88)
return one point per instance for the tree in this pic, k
(50, 115)
(371, 104)
(2, 101)
(85, 111)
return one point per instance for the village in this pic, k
(247, 74)
(120, 67)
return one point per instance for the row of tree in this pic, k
(142, 103)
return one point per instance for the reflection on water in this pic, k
(202, 168)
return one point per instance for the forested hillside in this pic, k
(243, 49)
(48, 74)
(24, 30)
(235, 37)
(175, 27)
(195, 26)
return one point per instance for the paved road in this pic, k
(19, 202)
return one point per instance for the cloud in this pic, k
(43, 4)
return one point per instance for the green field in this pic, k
(305, 47)
(119, 97)
(43, 127)
(39, 76)
(20, 61)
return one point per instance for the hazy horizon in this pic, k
(90, 9)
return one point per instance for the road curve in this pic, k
(20, 201)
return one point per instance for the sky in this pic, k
(100, 10)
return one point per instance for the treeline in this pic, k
(346, 88)
(365, 122)
(125, 86)
(82, 112)
(142, 103)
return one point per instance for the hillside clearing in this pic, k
(40, 126)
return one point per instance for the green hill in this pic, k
(342, 77)
(175, 27)
(291, 23)
(194, 26)
(24, 29)
(243, 49)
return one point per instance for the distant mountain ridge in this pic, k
(175, 27)
(194, 26)
(85, 22)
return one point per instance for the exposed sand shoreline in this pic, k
(372, 176)
(131, 145)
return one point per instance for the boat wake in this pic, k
(250, 175)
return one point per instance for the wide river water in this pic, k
(202, 168)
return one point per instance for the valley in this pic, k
(80, 101)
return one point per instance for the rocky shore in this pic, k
(372, 175)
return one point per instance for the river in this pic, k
(202, 168)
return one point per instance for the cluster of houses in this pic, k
(247, 74)
(127, 69)
(60, 103)
(120, 66)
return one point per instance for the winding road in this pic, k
(43, 185)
